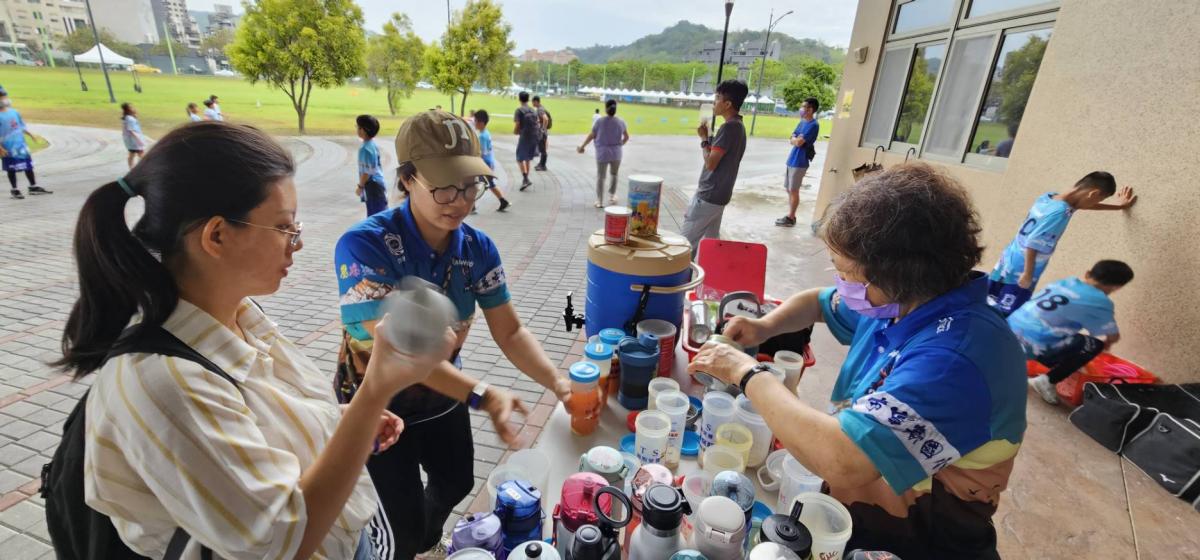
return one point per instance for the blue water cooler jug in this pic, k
(615, 274)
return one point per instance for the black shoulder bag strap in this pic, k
(157, 340)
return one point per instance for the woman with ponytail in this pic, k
(610, 135)
(269, 466)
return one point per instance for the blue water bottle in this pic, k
(639, 364)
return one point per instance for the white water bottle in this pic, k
(420, 314)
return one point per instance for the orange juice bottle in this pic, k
(585, 398)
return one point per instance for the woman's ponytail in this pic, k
(117, 278)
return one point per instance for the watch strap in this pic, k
(475, 398)
(757, 369)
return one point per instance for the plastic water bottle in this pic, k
(420, 314)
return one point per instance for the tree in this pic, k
(394, 60)
(81, 40)
(796, 90)
(775, 74)
(217, 42)
(294, 45)
(475, 48)
(1016, 79)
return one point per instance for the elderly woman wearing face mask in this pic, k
(931, 398)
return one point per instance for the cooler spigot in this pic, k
(570, 319)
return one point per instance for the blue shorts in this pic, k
(1007, 298)
(527, 149)
(16, 163)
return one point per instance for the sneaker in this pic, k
(39, 190)
(785, 222)
(438, 552)
(526, 184)
(16, 194)
(540, 168)
(599, 204)
(1044, 388)
(612, 201)
(474, 211)
(504, 204)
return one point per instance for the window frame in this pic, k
(999, 25)
(1012, 13)
(955, 15)
(910, 45)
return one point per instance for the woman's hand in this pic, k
(500, 405)
(391, 370)
(388, 432)
(390, 428)
(746, 331)
(562, 390)
(723, 362)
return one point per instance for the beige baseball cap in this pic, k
(443, 147)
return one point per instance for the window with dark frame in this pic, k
(955, 76)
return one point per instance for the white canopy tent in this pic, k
(110, 58)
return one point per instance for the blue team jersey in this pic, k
(799, 154)
(374, 254)
(1061, 310)
(12, 134)
(1041, 230)
(933, 387)
(369, 162)
(485, 148)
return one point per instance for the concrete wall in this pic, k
(1118, 90)
(131, 21)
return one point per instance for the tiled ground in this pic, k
(1068, 496)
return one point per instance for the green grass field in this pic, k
(53, 96)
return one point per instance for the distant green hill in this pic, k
(681, 41)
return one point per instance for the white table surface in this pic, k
(564, 448)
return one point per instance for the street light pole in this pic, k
(763, 69)
(96, 35)
(721, 60)
(448, 32)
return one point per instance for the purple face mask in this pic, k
(854, 295)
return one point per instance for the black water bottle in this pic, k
(787, 531)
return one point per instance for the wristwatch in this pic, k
(475, 398)
(757, 369)
(705, 143)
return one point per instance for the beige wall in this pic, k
(1118, 90)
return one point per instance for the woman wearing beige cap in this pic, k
(443, 174)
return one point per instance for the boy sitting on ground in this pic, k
(1050, 325)
(1016, 274)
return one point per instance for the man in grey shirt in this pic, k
(722, 156)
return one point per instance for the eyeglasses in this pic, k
(471, 190)
(293, 235)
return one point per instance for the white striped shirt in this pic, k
(172, 445)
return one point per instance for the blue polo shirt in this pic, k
(799, 154)
(374, 254)
(931, 388)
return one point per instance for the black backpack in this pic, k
(530, 121)
(76, 530)
(549, 119)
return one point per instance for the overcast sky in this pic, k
(554, 24)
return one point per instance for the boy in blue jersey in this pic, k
(1016, 274)
(371, 187)
(802, 153)
(485, 151)
(1050, 326)
(14, 153)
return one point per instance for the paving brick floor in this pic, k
(1067, 497)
